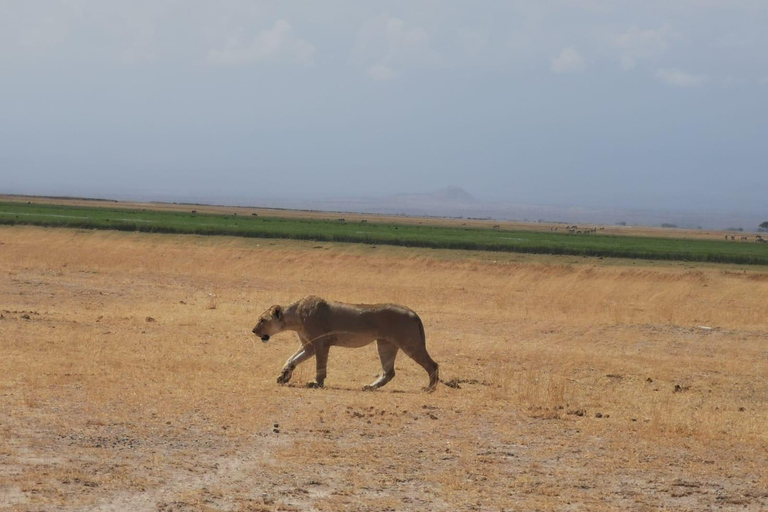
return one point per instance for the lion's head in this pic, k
(270, 323)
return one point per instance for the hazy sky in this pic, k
(656, 103)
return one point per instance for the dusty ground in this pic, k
(129, 380)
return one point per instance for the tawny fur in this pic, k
(321, 324)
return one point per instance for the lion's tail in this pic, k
(435, 375)
(421, 330)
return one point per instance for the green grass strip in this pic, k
(483, 239)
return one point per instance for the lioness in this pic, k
(322, 324)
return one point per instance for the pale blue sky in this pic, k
(602, 103)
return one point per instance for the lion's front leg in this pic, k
(285, 374)
(304, 353)
(321, 359)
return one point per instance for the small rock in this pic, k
(276, 425)
(150, 319)
(598, 415)
(25, 317)
(276, 430)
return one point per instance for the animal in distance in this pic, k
(321, 324)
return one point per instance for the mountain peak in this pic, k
(453, 194)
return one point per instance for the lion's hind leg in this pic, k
(387, 354)
(421, 356)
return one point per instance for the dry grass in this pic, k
(130, 380)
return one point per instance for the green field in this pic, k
(384, 233)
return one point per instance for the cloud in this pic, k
(472, 42)
(679, 78)
(381, 72)
(279, 43)
(732, 40)
(732, 81)
(637, 44)
(387, 44)
(569, 61)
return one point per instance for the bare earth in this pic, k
(129, 380)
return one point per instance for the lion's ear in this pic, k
(278, 312)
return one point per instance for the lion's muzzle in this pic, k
(264, 337)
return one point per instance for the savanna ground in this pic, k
(129, 380)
